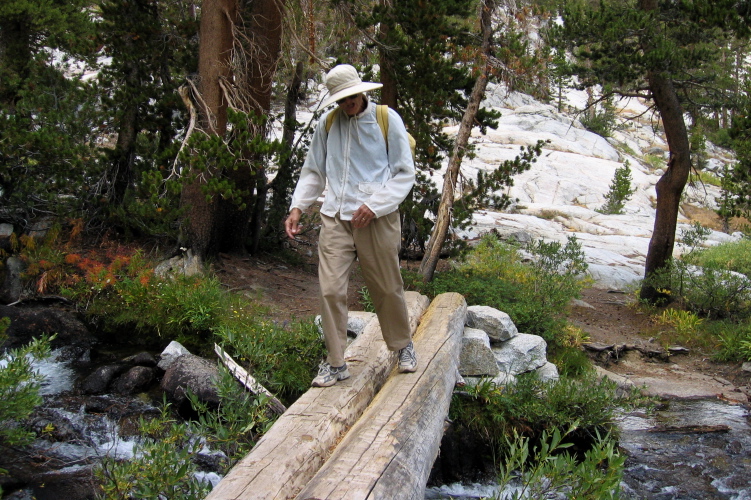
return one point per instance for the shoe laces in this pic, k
(407, 354)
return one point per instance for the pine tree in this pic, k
(659, 51)
(48, 118)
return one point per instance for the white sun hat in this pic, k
(343, 81)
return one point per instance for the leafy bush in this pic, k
(118, 291)
(733, 256)
(162, 466)
(549, 471)
(733, 339)
(534, 294)
(601, 121)
(531, 406)
(236, 425)
(711, 290)
(282, 357)
(19, 387)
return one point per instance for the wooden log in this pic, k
(248, 380)
(296, 446)
(389, 452)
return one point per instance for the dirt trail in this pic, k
(607, 318)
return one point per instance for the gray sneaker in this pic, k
(407, 359)
(329, 375)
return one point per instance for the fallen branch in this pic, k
(247, 380)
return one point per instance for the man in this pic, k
(368, 176)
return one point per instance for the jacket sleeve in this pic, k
(402, 167)
(312, 179)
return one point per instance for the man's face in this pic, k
(352, 104)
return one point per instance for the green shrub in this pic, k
(548, 470)
(19, 387)
(236, 425)
(282, 357)
(531, 406)
(162, 466)
(733, 256)
(711, 289)
(733, 340)
(601, 121)
(534, 294)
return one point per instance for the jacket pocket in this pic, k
(369, 187)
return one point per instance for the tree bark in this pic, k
(263, 27)
(670, 186)
(281, 186)
(389, 94)
(443, 219)
(218, 18)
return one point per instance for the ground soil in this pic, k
(607, 318)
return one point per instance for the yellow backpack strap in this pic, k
(382, 116)
(330, 119)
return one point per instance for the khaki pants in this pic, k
(376, 246)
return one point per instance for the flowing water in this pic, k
(685, 450)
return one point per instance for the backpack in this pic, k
(382, 117)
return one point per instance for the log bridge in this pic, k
(372, 436)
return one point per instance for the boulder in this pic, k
(190, 372)
(99, 380)
(170, 353)
(27, 323)
(356, 322)
(476, 358)
(548, 372)
(497, 324)
(137, 379)
(11, 286)
(520, 354)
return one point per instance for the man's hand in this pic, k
(292, 224)
(362, 217)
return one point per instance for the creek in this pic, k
(684, 450)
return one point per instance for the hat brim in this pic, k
(356, 89)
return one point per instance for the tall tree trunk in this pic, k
(15, 59)
(670, 186)
(263, 26)
(125, 148)
(282, 184)
(218, 18)
(389, 94)
(443, 220)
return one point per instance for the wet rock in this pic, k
(476, 358)
(190, 372)
(100, 379)
(521, 353)
(54, 426)
(134, 380)
(497, 324)
(69, 483)
(141, 359)
(11, 288)
(27, 323)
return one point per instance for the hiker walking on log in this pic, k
(367, 161)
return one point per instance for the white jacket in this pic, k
(352, 157)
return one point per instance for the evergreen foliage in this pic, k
(619, 192)
(47, 117)
(19, 387)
